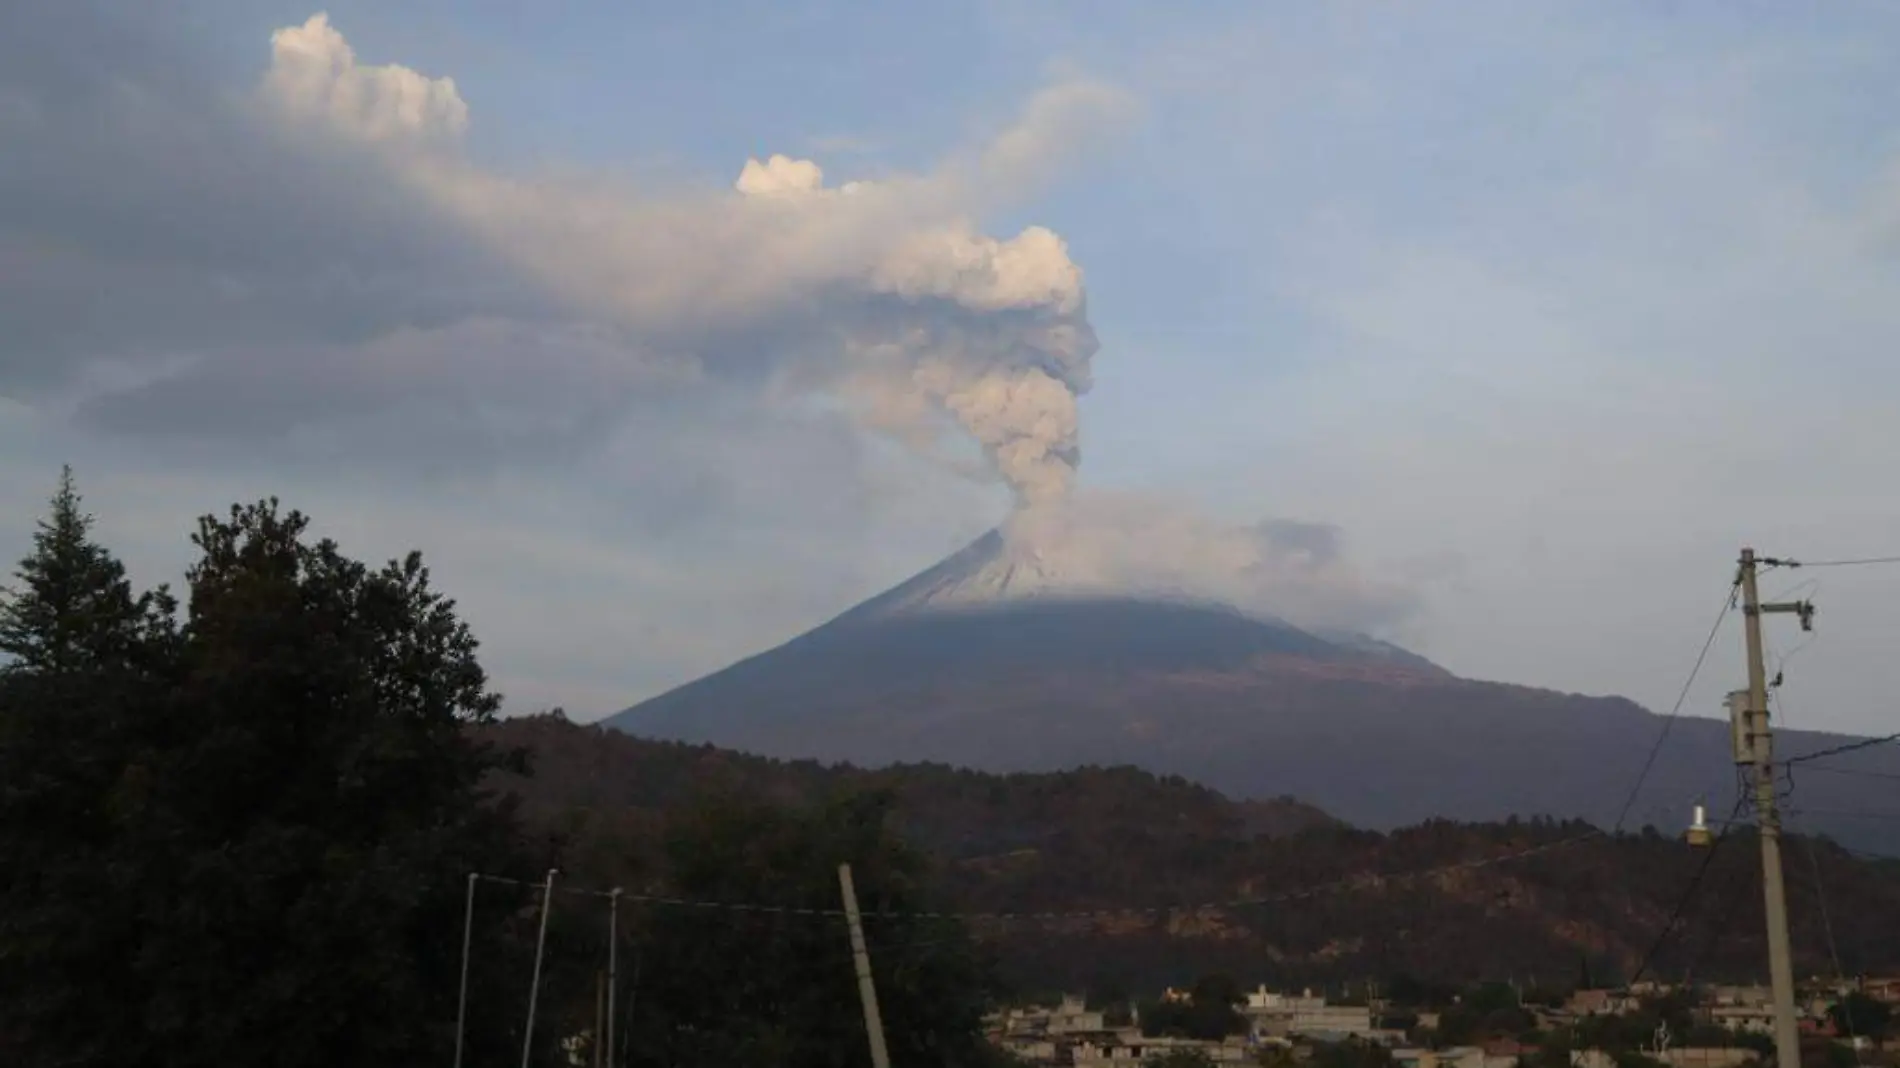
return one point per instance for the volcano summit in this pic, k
(1010, 657)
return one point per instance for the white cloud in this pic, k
(314, 74)
(883, 290)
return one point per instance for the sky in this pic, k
(669, 331)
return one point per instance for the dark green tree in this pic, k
(731, 986)
(73, 609)
(1352, 1053)
(319, 806)
(275, 824)
(86, 661)
(1860, 1015)
(1208, 1014)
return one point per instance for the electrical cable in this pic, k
(1734, 893)
(1850, 747)
(1833, 949)
(1669, 721)
(1829, 769)
(1342, 885)
(1850, 813)
(1688, 895)
(1865, 561)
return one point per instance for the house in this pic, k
(1600, 1003)
(1740, 996)
(1073, 1016)
(1743, 1019)
(1455, 1057)
(1346, 1020)
(1130, 1050)
(1883, 989)
(1706, 1057)
(1267, 1002)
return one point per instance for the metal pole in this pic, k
(1774, 896)
(540, 949)
(461, 999)
(613, 969)
(633, 991)
(600, 1015)
(867, 990)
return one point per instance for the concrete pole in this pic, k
(540, 950)
(600, 1015)
(613, 970)
(1774, 895)
(867, 990)
(461, 1000)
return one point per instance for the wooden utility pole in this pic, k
(1756, 736)
(867, 990)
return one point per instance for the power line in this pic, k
(1850, 813)
(1682, 904)
(1865, 561)
(1343, 885)
(1833, 949)
(1732, 897)
(1850, 747)
(1669, 721)
(1858, 772)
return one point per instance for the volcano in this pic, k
(1003, 659)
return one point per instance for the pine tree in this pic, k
(245, 840)
(78, 703)
(73, 609)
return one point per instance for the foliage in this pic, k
(751, 988)
(1863, 1016)
(1352, 1053)
(1409, 991)
(243, 839)
(1208, 1014)
(1103, 838)
(73, 610)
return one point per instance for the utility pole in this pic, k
(867, 990)
(613, 971)
(540, 951)
(461, 998)
(1756, 736)
(600, 1016)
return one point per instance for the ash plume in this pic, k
(883, 294)
(1147, 544)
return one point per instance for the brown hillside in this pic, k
(1117, 838)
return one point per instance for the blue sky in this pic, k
(1548, 308)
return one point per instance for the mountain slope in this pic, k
(1107, 838)
(999, 661)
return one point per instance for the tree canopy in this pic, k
(242, 833)
(241, 837)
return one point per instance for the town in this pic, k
(1409, 1024)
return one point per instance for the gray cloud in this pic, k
(145, 215)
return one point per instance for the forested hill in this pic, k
(1336, 902)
